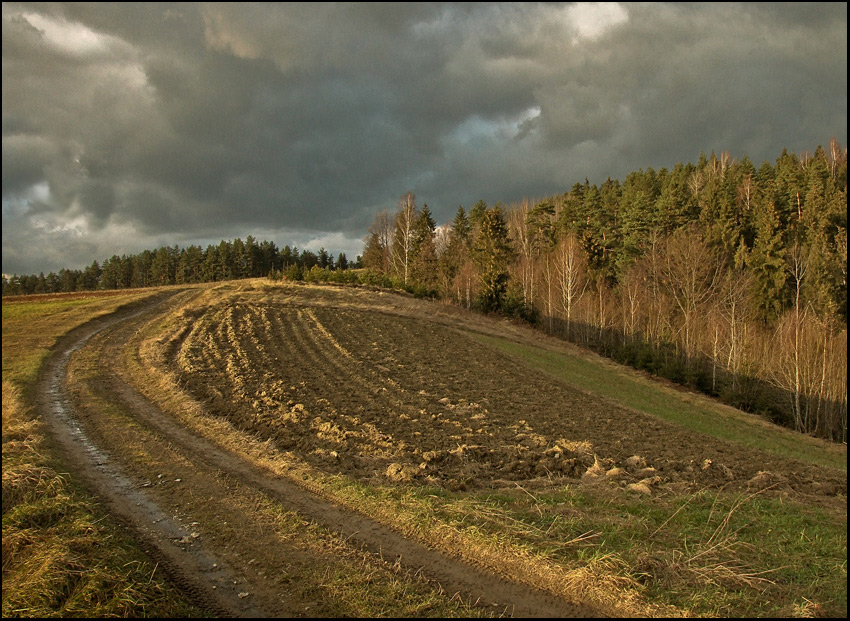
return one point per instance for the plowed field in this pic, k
(373, 394)
(289, 450)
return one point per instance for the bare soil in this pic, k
(377, 387)
(388, 393)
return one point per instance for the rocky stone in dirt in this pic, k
(556, 452)
(634, 463)
(639, 488)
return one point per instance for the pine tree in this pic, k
(455, 251)
(424, 259)
(766, 261)
(492, 254)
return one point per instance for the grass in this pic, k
(62, 554)
(357, 584)
(706, 554)
(689, 410)
(709, 553)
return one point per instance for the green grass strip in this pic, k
(717, 421)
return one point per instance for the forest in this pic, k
(719, 276)
(228, 260)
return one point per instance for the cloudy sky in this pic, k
(128, 127)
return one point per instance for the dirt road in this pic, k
(218, 524)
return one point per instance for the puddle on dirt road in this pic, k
(207, 578)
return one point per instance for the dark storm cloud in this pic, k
(129, 126)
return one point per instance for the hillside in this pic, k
(324, 451)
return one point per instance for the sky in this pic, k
(134, 126)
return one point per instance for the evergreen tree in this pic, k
(238, 261)
(90, 278)
(110, 273)
(476, 215)
(424, 253)
(163, 268)
(766, 261)
(455, 251)
(492, 253)
(462, 227)
(323, 259)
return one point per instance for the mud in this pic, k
(305, 378)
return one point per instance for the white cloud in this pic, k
(476, 128)
(332, 242)
(593, 19)
(70, 37)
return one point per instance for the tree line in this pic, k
(227, 260)
(719, 275)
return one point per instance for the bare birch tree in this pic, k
(523, 242)
(736, 312)
(403, 236)
(690, 272)
(633, 284)
(377, 250)
(797, 266)
(571, 271)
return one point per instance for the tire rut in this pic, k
(132, 506)
(153, 526)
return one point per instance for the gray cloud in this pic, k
(136, 125)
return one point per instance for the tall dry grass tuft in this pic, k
(715, 558)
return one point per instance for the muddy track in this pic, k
(175, 490)
(126, 500)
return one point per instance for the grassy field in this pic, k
(62, 554)
(708, 551)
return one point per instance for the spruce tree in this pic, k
(492, 254)
(767, 262)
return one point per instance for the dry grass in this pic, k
(600, 581)
(715, 558)
(62, 555)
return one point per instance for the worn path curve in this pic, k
(215, 572)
